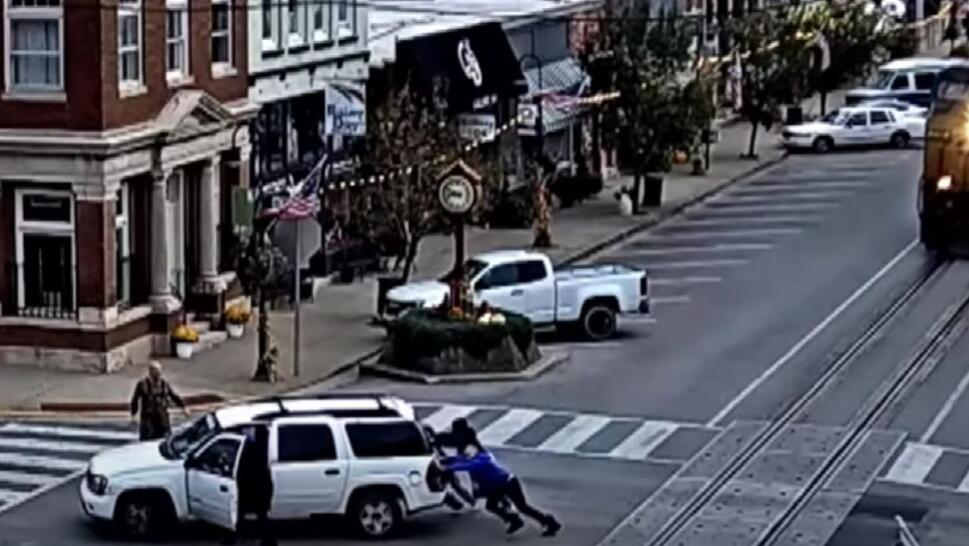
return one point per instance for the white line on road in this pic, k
(508, 425)
(831, 187)
(10, 496)
(780, 362)
(70, 432)
(644, 440)
(703, 235)
(441, 419)
(696, 264)
(946, 409)
(914, 464)
(774, 197)
(574, 434)
(39, 461)
(733, 222)
(669, 300)
(683, 280)
(724, 247)
(27, 478)
(757, 209)
(584, 344)
(32, 443)
(964, 484)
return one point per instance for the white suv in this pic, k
(364, 456)
(854, 126)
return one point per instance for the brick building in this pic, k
(123, 125)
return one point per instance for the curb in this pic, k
(663, 215)
(546, 363)
(197, 403)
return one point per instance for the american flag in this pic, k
(305, 202)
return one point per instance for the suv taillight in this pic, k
(643, 285)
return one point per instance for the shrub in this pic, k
(428, 333)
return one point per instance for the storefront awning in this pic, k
(560, 84)
(476, 63)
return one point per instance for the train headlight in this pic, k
(943, 183)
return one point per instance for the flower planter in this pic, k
(235, 331)
(184, 349)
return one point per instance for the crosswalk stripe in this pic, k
(756, 209)
(796, 218)
(31, 443)
(441, 419)
(641, 443)
(41, 461)
(915, 463)
(574, 434)
(6, 497)
(69, 432)
(28, 478)
(774, 196)
(508, 425)
(795, 188)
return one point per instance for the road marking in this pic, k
(790, 189)
(780, 362)
(641, 443)
(508, 425)
(636, 319)
(796, 218)
(40, 461)
(441, 419)
(10, 496)
(774, 197)
(683, 280)
(27, 478)
(757, 209)
(584, 344)
(946, 409)
(70, 432)
(964, 484)
(698, 234)
(914, 464)
(574, 434)
(725, 247)
(669, 300)
(696, 264)
(32, 443)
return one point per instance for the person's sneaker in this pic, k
(552, 528)
(515, 525)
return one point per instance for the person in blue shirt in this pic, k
(496, 484)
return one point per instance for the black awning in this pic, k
(477, 64)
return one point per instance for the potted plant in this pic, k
(185, 338)
(236, 318)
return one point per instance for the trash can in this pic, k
(385, 284)
(652, 190)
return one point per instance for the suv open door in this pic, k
(210, 480)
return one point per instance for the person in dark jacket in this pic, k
(497, 484)
(255, 482)
(458, 438)
(151, 400)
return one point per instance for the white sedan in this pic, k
(911, 115)
(854, 126)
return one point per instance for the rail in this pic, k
(887, 393)
(905, 535)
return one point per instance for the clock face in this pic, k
(456, 194)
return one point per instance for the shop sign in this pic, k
(479, 127)
(346, 109)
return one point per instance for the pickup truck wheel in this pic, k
(599, 321)
(377, 515)
(900, 140)
(142, 516)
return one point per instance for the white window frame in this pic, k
(12, 13)
(129, 8)
(122, 247)
(34, 227)
(324, 8)
(222, 68)
(345, 28)
(270, 8)
(296, 37)
(178, 75)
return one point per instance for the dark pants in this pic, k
(261, 529)
(152, 426)
(512, 491)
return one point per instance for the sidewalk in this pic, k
(335, 333)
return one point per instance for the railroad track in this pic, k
(881, 400)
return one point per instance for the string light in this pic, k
(473, 145)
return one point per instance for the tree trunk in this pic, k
(753, 141)
(410, 256)
(637, 183)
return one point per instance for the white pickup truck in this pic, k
(525, 282)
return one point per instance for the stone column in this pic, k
(209, 221)
(162, 300)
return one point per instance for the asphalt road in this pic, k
(756, 291)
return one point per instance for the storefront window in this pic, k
(45, 267)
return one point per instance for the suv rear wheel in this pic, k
(376, 515)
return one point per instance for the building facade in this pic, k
(123, 126)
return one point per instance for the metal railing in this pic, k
(905, 535)
(45, 293)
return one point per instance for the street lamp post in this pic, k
(543, 237)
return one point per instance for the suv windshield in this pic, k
(181, 443)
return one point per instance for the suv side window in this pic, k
(306, 443)
(531, 271)
(219, 458)
(879, 117)
(502, 275)
(924, 81)
(378, 440)
(858, 120)
(900, 82)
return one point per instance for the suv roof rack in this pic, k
(382, 409)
